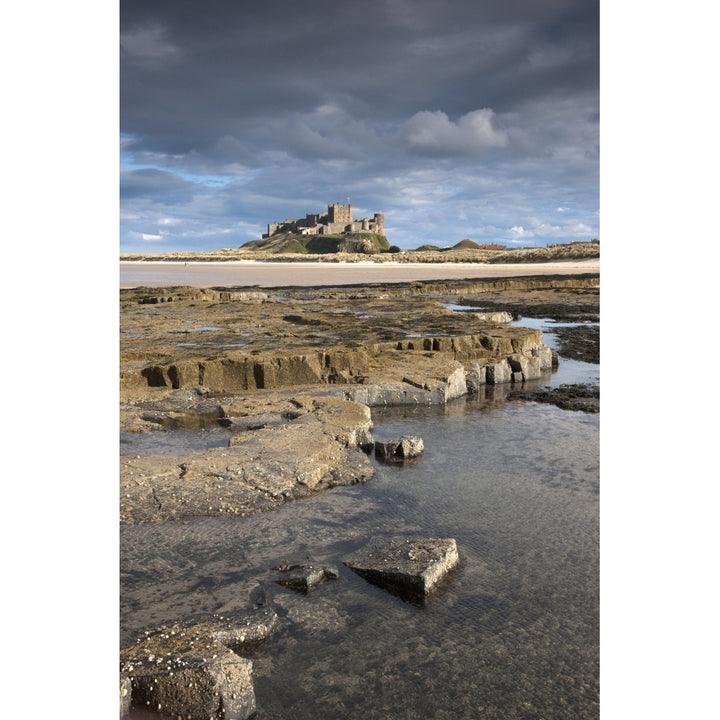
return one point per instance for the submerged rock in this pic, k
(577, 397)
(305, 577)
(242, 635)
(407, 447)
(410, 568)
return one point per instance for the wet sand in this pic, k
(311, 274)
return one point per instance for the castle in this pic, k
(338, 219)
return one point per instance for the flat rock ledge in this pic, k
(318, 444)
(409, 568)
(194, 671)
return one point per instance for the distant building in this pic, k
(337, 219)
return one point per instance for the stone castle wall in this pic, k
(338, 219)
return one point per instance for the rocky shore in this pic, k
(294, 373)
(292, 377)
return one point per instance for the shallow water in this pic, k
(512, 633)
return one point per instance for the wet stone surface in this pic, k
(579, 342)
(580, 397)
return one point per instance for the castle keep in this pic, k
(337, 219)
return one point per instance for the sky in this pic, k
(455, 119)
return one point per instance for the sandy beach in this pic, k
(310, 274)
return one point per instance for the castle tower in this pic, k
(379, 223)
(338, 213)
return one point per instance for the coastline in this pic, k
(249, 273)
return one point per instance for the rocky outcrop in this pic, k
(410, 568)
(162, 295)
(288, 446)
(234, 340)
(439, 385)
(191, 671)
(233, 372)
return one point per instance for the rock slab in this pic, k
(410, 568)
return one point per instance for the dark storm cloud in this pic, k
(194, 71)
(148, 183)
(275, 94)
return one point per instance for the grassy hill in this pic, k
(292, 243)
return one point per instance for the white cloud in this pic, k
(147, 237)
(433, 132)
(582, 230)
(518, 232)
